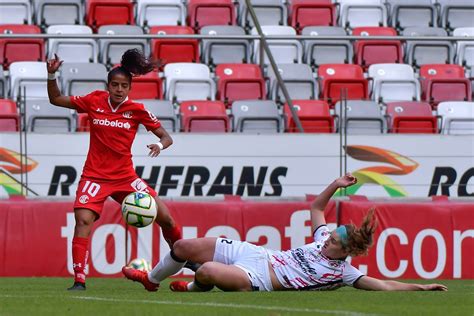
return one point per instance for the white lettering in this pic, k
(457, 251)
(417, 258)
(380, 253)
(223, 231)
(298, 231)
(99, 249)
(116, 123)
(270, 233)
(68, 233)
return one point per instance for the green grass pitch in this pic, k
(48, 296)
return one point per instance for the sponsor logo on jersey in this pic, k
(153, 117)
(127, 114)
(139, 186)
(116, 123)
(84, 199)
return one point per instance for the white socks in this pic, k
(193, 288)
(165, 268)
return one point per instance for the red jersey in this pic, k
(112, 131)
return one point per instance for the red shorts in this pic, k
(91, 194)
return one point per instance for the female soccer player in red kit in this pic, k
(108, 171)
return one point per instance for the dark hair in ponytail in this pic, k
(133, 63)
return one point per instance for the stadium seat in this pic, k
(42, 116)
(109, 12)
(164, 111)
(239, 82)
(444, 83)
(465, 49)
(224, 51)
(9, 118)
(82, 124)
(360, 117)
(79, 50)
(283, 51)
(319, 52)
(28, 78)
(412, 13)
(3, 84)
(16, 12)
(256, 117)
(369, 52)
(20, 49)
(411, 117)
(335, 78)
(457, 118)
(420, 53)
(164, 12)
(82, 78)
(269, 12)
(314, 116)
(210, 12)
(148, 86)
(456, 13)
(204, 117)
(59, 12)
(111, 50)
(174, 50)
(188, 81)
(356, 13)
(298, 79)
(305, 13)
(394, 82)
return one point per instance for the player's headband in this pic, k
(342, 232)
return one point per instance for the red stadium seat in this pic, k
(148, 86)
(204, 117)
(210, 12)
(314, 116)
(411, 117)
(9, 118)
(83, 122)
(108, 12)
(444, 82)
(371, 52)
(174, 50)
(336, 77)
(311, 13)
(240, 82)
(20, 49)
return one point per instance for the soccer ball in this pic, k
(139, 209)
(140, 264)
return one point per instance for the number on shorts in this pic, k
(92, 188)
(227, 241)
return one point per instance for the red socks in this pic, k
(80, 255)
(172, 234)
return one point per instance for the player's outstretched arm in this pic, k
(373, 284)
(165, 140)
(55, 97)
(319, 204)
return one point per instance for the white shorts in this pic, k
(250, 258)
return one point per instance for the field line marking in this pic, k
(212, 304)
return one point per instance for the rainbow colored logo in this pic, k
(398, 165)
(10, 164)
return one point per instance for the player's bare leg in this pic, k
(85, 219)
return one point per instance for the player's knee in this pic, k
(182, 248)
(206, 272)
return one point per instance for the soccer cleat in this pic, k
(179, 286)
(140, 276)
(77, 286)
(192, 266)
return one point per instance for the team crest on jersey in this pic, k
(84, 199)
(99, 110)
(127, 114)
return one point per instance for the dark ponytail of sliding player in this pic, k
(133, 63)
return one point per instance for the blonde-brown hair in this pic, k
(360, 239)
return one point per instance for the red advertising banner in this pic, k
(417, 240)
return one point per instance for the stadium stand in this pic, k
(224, 51)
(299, 82)
(255, 116)
(283, 51)
(20, 49)
(82, 78)
(79, 50)
(360, 118)
(188, 81)
(456, 117)
(165, 12)
(9, 118)
(3, 84)
(210, 12)
(16, 12)
(41, 116)
(355, 13)
(455, 13)
(149, 86)
(306, 13)
(54, 12)
(204, 117)
(28, 77)
(109, 12)
(465, 49)
(410, 13)
(314, 115)
(269, 12)
(111, 50)
(164, 110)
(411, 117)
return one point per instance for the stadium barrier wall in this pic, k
(413, 240)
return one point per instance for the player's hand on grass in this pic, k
(154, 150)
(435, 287)
(52, 65)
(346, 181)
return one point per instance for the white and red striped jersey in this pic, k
(306, 268)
